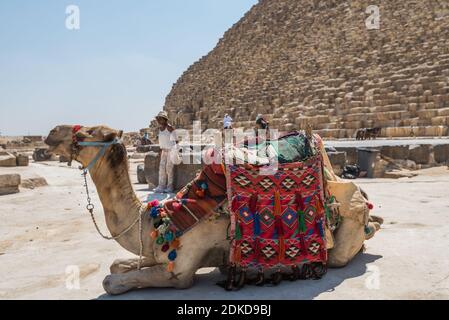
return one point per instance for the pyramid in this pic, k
(327, 63)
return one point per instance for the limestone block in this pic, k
(395, 152)
(338, 160)
(141, 178)
(441, 153)
(7, 159)
(9, 184)
(420, 153)
(22, 160)
(33, 182)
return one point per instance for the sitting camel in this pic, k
(108, 167)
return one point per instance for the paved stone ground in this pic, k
(46, 230)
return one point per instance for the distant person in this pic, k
(262, 125)
(166, 142)
(227, 122)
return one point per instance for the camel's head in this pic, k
(62, 141)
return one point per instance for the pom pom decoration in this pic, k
(169, 236)
(170, 266)
(154, 234)
(165, 247)
(370, 205)
(172, 255)
(154, 213)
(160, 240)
(175, 244)
(200, 193)
(177, 206)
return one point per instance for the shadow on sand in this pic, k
(205, 287)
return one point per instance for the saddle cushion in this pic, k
(278, 219)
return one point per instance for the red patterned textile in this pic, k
(277, 220)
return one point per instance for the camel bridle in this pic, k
(75, 150)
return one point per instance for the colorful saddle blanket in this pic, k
(277, 220)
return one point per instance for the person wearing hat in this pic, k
(227, 122)
(166, 142)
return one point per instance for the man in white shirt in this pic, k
(227, 122)
(166, 142)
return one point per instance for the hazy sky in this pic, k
(115, 70)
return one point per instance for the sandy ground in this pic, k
(46, 235)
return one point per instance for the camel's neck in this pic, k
(120, 203)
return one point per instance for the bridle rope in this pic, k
(90, 206)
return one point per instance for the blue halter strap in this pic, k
(103, 145)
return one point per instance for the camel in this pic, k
(203, 246)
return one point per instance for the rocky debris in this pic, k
(338, 161)
(397, 174)
(9, 184)
(41, 154)
(331, 72)
(141, 178)
(7, 159)
(22, 160)
(33, 182)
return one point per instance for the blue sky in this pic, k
(116, 70)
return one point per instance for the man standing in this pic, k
(227, 122)
(166, 142)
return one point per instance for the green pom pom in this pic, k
(160, 240)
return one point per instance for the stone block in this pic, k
(33, 182)
(337, 158)
(441, 153)
(151, 169)
(22, 160)
(420, 153)
(395, 152)
(183, 173)
(141, 178)
(7, 159)
(351, 154)
(9, 184)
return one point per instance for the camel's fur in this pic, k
(200, 247)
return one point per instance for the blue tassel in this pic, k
(154, 212)
(320, 228)
(172, 255)
(256, 224)
(169, 236)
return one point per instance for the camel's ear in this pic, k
(109, 134)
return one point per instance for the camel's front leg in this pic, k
(155, 276)
(126, 265)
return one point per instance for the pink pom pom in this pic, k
(154, 203)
